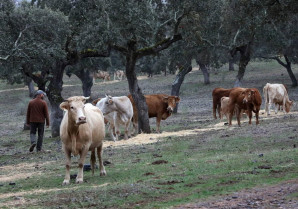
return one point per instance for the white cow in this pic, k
(276, 94)
(82, 129)
(122, 111)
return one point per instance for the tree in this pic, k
(135, 29)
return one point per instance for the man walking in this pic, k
(37, 114)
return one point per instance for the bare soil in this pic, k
(283, 195)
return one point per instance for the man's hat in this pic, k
(40, 92)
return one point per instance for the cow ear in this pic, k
(177, 99)
(165, 99)
(64, 106)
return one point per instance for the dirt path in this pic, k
(284, 195)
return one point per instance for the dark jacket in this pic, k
(38, 111)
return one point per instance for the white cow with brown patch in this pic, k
(122, 109)
(82, 129)
(276, 94)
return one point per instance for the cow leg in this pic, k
(67, 166)
(269, 106)
(112, 131)
(158, 119)
(117, 129)
(92, 161)
(249, 116)
(83, 155)
(218, 109)
(231, 112)
(214, 110)
(135, 126)
(101, 166)
(127, 132)
(275, 108)
(284, 105)
(257, 117)
(238, 115)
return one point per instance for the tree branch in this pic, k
(159, 46)
(121, 49)
(277, 59)
(5, 58)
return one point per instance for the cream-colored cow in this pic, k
(276, 94)
(82, 129)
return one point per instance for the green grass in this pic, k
(195, 170)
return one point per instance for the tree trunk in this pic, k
(136, 92)
(54, 95)
(87, 81)
(290, 72)
(29, 82)
(232, 61)
(179, 80)
(244, 60)
(205, 72)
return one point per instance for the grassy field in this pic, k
(195, 159)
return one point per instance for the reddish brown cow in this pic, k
(217, 94)
(248, 99)
(160, 106)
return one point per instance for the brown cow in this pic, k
(82, 129)
(160, 106)
(217, 94)
(248, 99)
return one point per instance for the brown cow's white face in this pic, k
(171, 101)
(248, 95)
(75, 107)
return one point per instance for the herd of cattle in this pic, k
(83, 126)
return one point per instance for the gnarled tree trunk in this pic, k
(179, 80)
(204, 70)
(135, 90)
(54, 95)
(87, 81)
(245, 52)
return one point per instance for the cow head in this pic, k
(75, 107)
(106, 105)
(289, 105)
(248, 95)
(171, 101)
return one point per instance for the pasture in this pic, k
(196, 161)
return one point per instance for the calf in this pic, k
(278, 95)
(160, 106)
(248, 99)
(217, 94)
(121, 110)
(81, 130)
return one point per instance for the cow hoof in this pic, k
(65, 182)
(103, 173)
(79, 181)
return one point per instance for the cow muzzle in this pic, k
(81, 120)
(244, 101)
(170, 109)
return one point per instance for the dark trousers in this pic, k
(39, 127)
